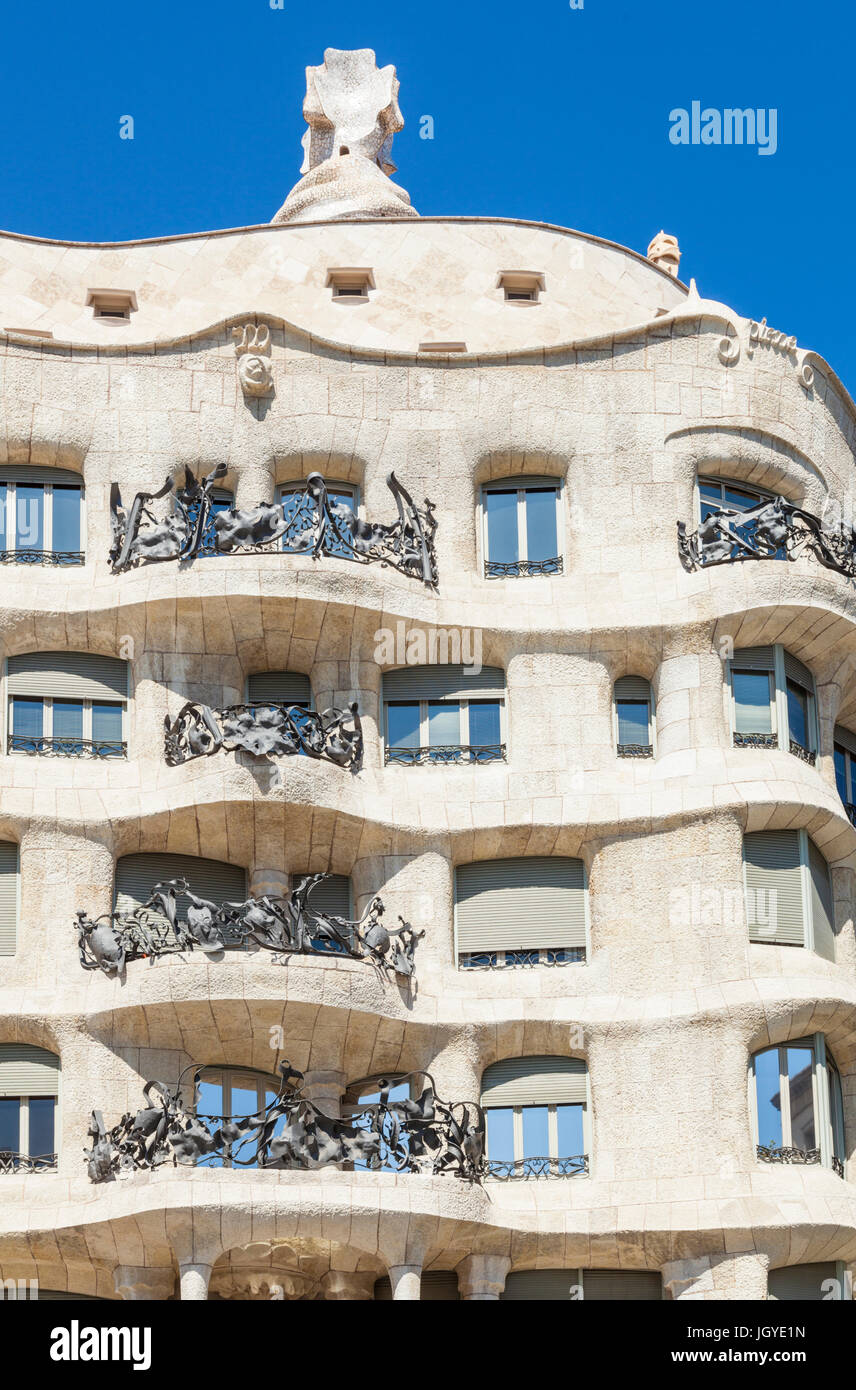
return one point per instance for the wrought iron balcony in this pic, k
(508, 960)
(772, 1153)
(510, 1170)
(42, 557)
(851, 812)
(265, 730)
(25, 1163)
(444, 754)
(66, 747)
(286, 927)
(807, 755)
(755, 740)
(306, 523)
(419, 1135)
(635, 750)
(522, 569)
(775, 530)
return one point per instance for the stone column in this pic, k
(134, 1283)
(406, 1281)
(325, 1089)
(711, 1278)
(266, 881)
(194, 1281)
(341, 1286)
(482, 1277)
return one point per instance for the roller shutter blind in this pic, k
(525, 480)
(800, 1282)
(617, 1285)
(280, 687)
(57, 1296)
(8, 897)
(632, 688)
(443, 683)
(137, 874)
(67, 675)
(28, 1071)
(30, 473)
(437, 1286)
(520, 904)
(540, 1285)
(772, 865)
(795, 671)
(822, 910)
(332, 896)
(844, 737)
(754, 659)
(535, 1081)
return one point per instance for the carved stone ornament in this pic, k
(775, 529)
(304, 523)
(665, 253)
(284, 926)
(252, 345)
(421, 1135)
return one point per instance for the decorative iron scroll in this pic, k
(446, 753)
(807, 754)
(755, 740)
(304, 523)
(283, 926)
(424, 1135)
(65, 747)
(507, 1170)
(266, 731)
(521, 569)
(512, 960)
(41, 557)
(25, 1163)
(775, 529)
(772, 1153)
(851, 812)
(635, 750)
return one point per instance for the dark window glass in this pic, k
(841, 773)
(767, 1086)
(27, 717)
(68, 719)
(569, 1119)
(752, 705)
(402, 724)
(484, 723)
(541, 543)
(10, 1124)
(798, 714)
(66, 518)
(42, 1140)
(2, 516)
(502, 544)
(29, 517)
(633, 722)
(801, 1095)
(500, 1134)
(106, 723)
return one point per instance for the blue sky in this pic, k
(541, 111)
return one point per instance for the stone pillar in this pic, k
(406, 1281)
(482, 1277)
(341, 1286)
(134, 1283)
(194, 1281)
(266, 881)
(325, 1089)
(711, 1278)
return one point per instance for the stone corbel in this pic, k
(252, 346)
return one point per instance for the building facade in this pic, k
(485, 569)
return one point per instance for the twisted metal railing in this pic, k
(266, 731)
(521, 569)
(509, 1170)
(635, 750)
(11, 1162)
(42, 557)
(774, 530)
(66, 747)
(756, 740)
(774, 1153)
(446, 754)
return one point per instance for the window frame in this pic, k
(47, 703)
(849, 800)
(711, 480)
(24, 1130)
(552, 1108)
(298, 485)
(226, 1077)
(779, 715)
(541, 951)
(808, 943)
(827, 1108)
(521, 486)
(652, 724)
(463, 704)
(11, 547)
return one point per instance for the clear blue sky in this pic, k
(540, 112)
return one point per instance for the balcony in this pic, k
(59, 558)
(36, 746)
(522, 569)
(446, 755)
(265, 731)
(774, 530)
(511, 1170)
(771, 1153)
(635, 750)
(18, 1163)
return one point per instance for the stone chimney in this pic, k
(665, 253)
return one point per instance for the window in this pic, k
(798, 1112)
(41, 517)
(331, 897)
(634, 722)
(68, 704)
(521, 286)
(8, 897)
(844, 752)
(221, 500)
(279, 688)
(812, 1283)
(439, 714)
(359, 1099)
(113, 305)
(300, 513)
(536, 1113)
(522, 524)
(138, 874)
(788, 891)
(231, 1093)
(511, 912)
(773, 702)
(720, 494)
(583, 1285)
(435, 1286)
(351, 283)
(29, 1087)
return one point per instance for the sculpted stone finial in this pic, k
(352, 112)
(665, 253)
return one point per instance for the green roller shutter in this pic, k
(437, 1286)
(754, 659)
(772, 866)
(137, 874)
(822, 910)
(67, 675)
(31, 473)
(28, 1071)
(535, 1081)
(617, 1285)
(443, 683)
(331, 896)
(541, 1285)
(801, 1282)
(632, 688)
(280, 688)
(520, 904)
(845, 739)
(8, 897)
(795, 671)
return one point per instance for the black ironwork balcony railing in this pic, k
(265, 731)
(25, 1163)
(807, 754)
(422, 1134)
(304, 523)
(286, 927)
(755, 740)
(509, 1170)
(507, 960)
(772, 1153)
(635, 750)
(774, 530)
(66, 747)
(521, 569)
(42, 557)
(851, 812)
(443, 754)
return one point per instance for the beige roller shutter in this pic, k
(137, 874)
(632, 688)
(795, 671)
(280, 688)
(754, 659)
(772, 867)
(845, 739)
(617, 1285)
(28, 1071)
(801, 1282)
(67, 675)
(535, 1081)
(822, 909)
(541, 1285)
(8, 897)
(31, 473)
(520, 904)
(443, 683)
(437, 1286)
(332, 896)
